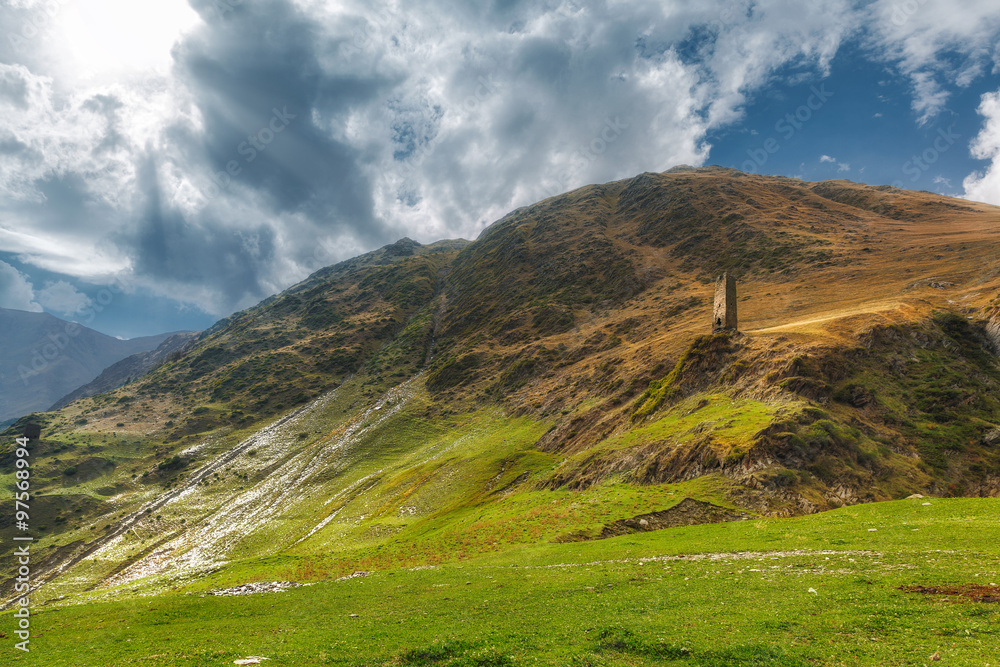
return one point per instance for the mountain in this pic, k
(44, 358)
(132, 367)
(557, 379)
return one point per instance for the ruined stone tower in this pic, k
(724, 315)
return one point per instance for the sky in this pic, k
(164, 164)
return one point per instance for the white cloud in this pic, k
(424, 119)
(16, 291)
(427, 119)
(936, 43)
(841, 166)
(985, 186)
(63, 298)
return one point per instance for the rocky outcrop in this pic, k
(257, 587)
(993, 333)
(687, 512)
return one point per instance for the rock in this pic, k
(257, 587)
(993, 332)
(353, 616)
(915, 496)
(354, 575)
(936, 656)
(688, 512)
(250, 660)
(992, 438)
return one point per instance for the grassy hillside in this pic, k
(554, 382)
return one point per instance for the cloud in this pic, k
(985, 186)
(429, 119)
(16, 291)
(61, 297)
(936, 44)
(841, 166)
(291, 134)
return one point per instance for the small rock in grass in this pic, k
(925, 503)
(354, 616)
(250, 660)
(814, 591)
(936, 656)
(872, 530)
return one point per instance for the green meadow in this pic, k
(823, 589)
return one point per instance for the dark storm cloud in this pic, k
(109, 107)
(258, 81)
(173, 249)
(14, 88)
(290, 134)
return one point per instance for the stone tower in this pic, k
(724, 315)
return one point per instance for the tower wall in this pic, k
(724, 313)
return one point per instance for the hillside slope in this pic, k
(132, 367)
(556, 379)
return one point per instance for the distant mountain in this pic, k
(43, 358)
(132, 367)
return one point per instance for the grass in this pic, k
(815, 590)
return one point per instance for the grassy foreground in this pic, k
(813, 590)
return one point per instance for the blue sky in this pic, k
(865, 130)
(172, 162)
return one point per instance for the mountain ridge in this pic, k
(561, 367)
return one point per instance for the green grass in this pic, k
(726, 594)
